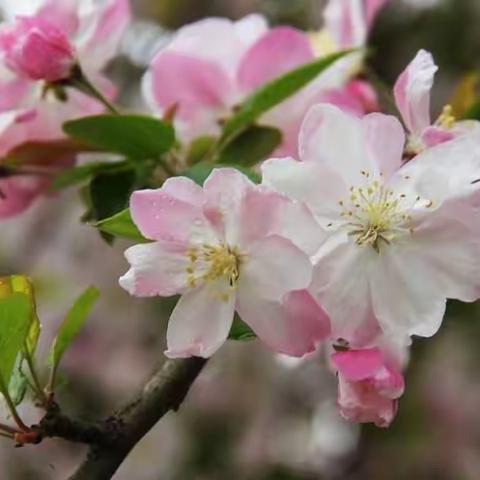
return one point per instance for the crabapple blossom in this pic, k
(412, 96)
(39, 46)
(400, 237)
(206, 78)
(369, 385)
(226, 247)
(35, 48)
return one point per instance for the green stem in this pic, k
(82, 83)
(11, 407)
(36, 382)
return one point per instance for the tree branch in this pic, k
(119, 434)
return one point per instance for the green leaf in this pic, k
(199, 172)
(18, 383)
(199, 148)
(251, 146)
(240, 331)
(15, 317)
(82, 173)
(275, 92)
(110, 193)
(71, 325)
(121, 225)
(22, 284)
(135, 136)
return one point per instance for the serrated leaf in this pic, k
(135, 136)
(251, 147)
(14, 326)
(71, 325)
(121, 225)
(275, 92)
(200, 172)
(240, 331)
(82, 173)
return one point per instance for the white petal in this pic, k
(337, 139)
(340, 284)
(316, 185)
(158, 268)
(201, 321)
(406, 299)
(273, 267)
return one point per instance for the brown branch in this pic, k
(112, 440)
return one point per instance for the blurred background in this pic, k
(252, 415)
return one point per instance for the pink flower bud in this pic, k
(34, 48)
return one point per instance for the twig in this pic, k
(112, 440)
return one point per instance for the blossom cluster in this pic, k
(362, 225)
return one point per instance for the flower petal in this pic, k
(273, 267)
(316, 185)
(412, 92)
(386, 140)
(276, 52)
(406, 299)
(340, 284)
(193, 84)
(322, 140)
(169, 213)
(357, 365)
(158, 268)
(200, 322)
(295, 326)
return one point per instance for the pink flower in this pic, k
(40, 45)
(400, 238)
(223, 249)
(412, 95)
(369, 386)
(349, 21)
(37, 49)
(206, 78)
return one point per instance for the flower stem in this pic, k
(80, 81)
(36, 382)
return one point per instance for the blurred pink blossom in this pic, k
(41, 45)
(205, 78)
(222, 248)
(34, 48)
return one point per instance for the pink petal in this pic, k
(158, 268)
(432, 136)
(295, 326)
(199, 323)
(357, 365)
(349, 21)
(17, 194)
(106, 25)
(162, 214)
(412, 92)
(194, 85)
(276, 52)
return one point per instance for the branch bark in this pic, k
(112, 440)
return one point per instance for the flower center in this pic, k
(375, 214)
(211, 262)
